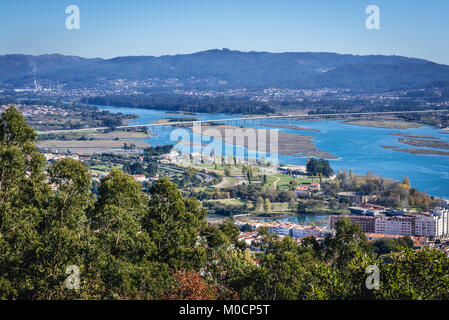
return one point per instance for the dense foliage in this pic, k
(129, 244)
(387, 192)
(177, 102)
(319, 167)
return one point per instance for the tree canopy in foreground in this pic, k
(127, 244)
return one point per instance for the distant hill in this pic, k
(226, 68)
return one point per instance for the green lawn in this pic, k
(284, 180)
(100, 168)
(104, 168)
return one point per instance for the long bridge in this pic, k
(255, 119)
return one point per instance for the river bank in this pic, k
(386, 124)
(359, 148)
(288, 143)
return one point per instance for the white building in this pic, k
(281, 229)
(435, 224)
(300, 232)
(396, 225)
(443, 214)
(172, 156)
(427, 226)
(139, 177)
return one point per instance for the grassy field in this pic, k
(100, 167)
(94, 142)
(90, 147)
(283, 181)
(276, 207)
(104, 168)
(279, 180)
(230, 201)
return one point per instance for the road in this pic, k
(201, 175)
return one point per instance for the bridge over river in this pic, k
(258, 119)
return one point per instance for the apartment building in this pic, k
(300, 232)
(404, 226)
(428, 224)
(282, 229)
(433, 224)
(366, 222)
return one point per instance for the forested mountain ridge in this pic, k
(216, 69)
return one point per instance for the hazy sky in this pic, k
(413, 28)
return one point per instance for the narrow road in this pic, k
(201, 175)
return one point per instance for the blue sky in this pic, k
(109, 28)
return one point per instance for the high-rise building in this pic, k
(433, 224)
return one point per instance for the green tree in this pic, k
(175, 224)
(293, 184)
(415, 275)
(227, 171)
(259, 203)
(267, 205)
(285, 272)
(23, 200)
(121, 247)
(151, 169)
(348, 240)
(64, 230)
(301, 207)
(312, 166)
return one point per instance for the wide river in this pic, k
(357, 147)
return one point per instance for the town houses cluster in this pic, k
(283, 229)
(95, 176)
(305, 190)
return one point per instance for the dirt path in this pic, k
(275, 183)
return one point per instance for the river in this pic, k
(357, 147)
